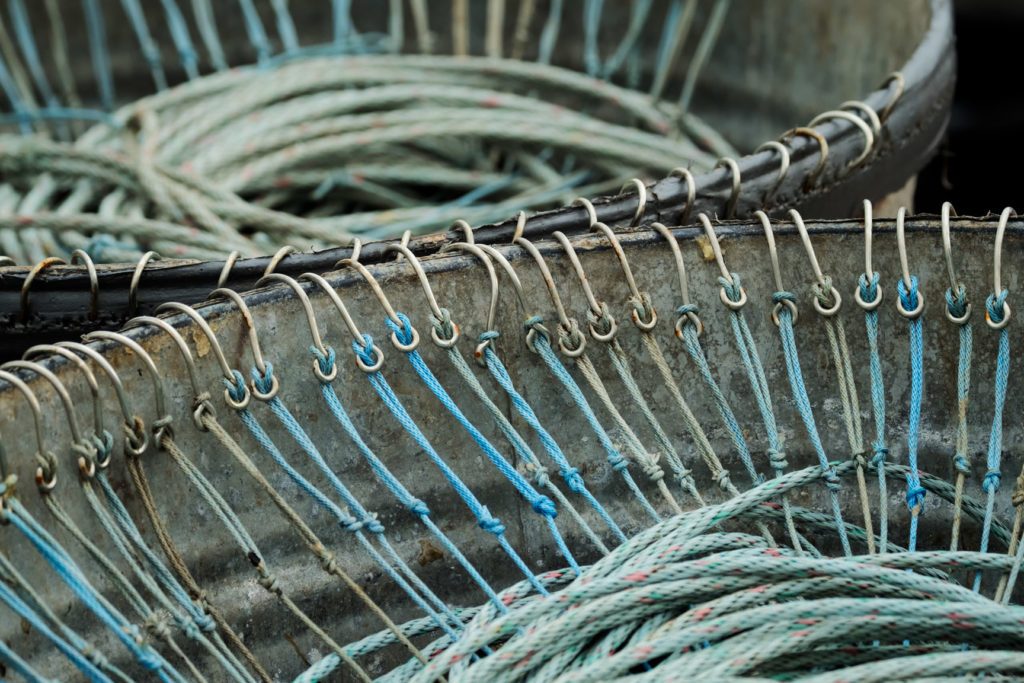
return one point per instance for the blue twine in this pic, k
(404, 496)
(915, 492)
(16, 663)
(72, 576)
(869, 292)
(150, 51)
(994, 308)
(615, 459)
(485, 520)
(181, 39)
(236, 390)
(570, 474)
(95, 28)
(691, 338)
(803, 403)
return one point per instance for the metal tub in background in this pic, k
(750, 74)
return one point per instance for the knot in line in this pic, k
(325, 363)
(264, 382)
(908, 297)
(402, 332)
(723, 480)
(365, 350)
(603, 323)
(237, 390)
(545, 506)
(573, 480)
(419, 508)
(823, 292)
(860, 459)
(617, 461)
(686, 309)
(329, 562)
(961, 464)
(779, 297)
(156, 626)
(488, 523)
(540, 474)
(828, 473)
(991, 482)
(149, 658)
(881, 453)
(654, 472)
(1018, 493)
(732, 289)
(957, 302)
(915, 495)
(532, 321)
(994, 306)
(644, 308)
(269, 581)
(869, 288)
(96, 657)
(777, 459)
(203, 620)
(444, 326)
(370, 523)
(104, 445)
(488, 336)
(570, 336)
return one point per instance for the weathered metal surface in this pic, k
(460, 284)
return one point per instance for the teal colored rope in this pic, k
(869, 292)
(485, 520)
(540, 503)
(996, 313)
(317, 672)
(405, 497)
(618, 463)
(570, 474)
(400, 572)
(915, 492)
(803, 403)
(68, 571)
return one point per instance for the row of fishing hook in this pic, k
(871, 130)
(571, 342)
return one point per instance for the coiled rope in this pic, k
(320, 150)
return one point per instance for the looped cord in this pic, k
(869, 288)
(445, 327)
(603, 323)
(369, 522)
(264, 382)
(686, 309)
(908, 297)
(831, 478)
(779, 297)
(570, 336)
(991, 481)
(488, 336)
(324, 362)
(956, 302)
(881, 453)
(777, 459)
(994, 306)
(653, 470)
(823, 292)
(365, 350)
(403, 332)
(489, 523)
(915, 496)
(237, 390)
(733, 290)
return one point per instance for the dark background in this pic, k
(977, 167)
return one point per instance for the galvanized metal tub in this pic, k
(459, 282)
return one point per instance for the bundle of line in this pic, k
(317, 151)
(691, 598)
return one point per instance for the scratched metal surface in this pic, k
(460, 284)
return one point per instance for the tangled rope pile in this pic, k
(317, 151)
(687, 598)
